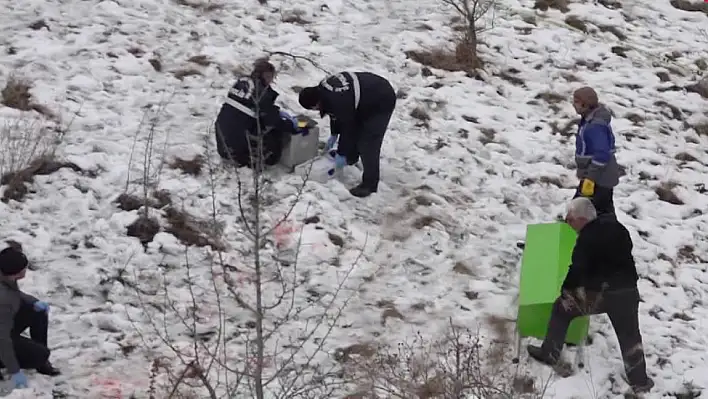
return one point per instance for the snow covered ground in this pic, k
(458, 188)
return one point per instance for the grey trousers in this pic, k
(621, 306)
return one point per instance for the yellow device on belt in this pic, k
(587, 189)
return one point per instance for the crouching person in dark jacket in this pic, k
(602, 279)
(597, 166)
(18, 312)
(360, 105)
(250, 128)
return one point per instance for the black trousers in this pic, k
(368, 146)
(602, 199)
(31, 352)
(621, 306)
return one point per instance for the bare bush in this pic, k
(465, 56)
(460, 364)
(16, 94)
(544, 5)
(690, 6)
(28, 146)
(242, 330)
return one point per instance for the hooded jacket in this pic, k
(595, 149)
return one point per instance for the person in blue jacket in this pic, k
(360, 106)
(249, 116)
(597, 166)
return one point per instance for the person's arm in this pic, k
(580, 264)
(338, 105)
(598, 138)
(27, 298)
(7, 349)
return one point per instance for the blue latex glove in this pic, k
(340, 161)
(331, 141)
(19, 379)
(41, 306)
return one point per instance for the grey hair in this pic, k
(582, 207)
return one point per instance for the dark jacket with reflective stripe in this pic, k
(351, 97)
(248, 103)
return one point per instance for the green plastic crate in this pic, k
(543, 268)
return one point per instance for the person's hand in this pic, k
(19, 379)
(331, 141)
(41, 306)
(340, 161)
(587, 188)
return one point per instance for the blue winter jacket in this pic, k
(595, 149)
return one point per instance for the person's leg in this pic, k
(220, 141)
(33, 352)
(30, 353)
(602, 199)
(564, 310)
(273, 145)
(37, 322)
(623, 311)
(369, 145)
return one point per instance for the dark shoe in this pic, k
(644, 388)
(48, 369)
(361, 191)
(537, 353)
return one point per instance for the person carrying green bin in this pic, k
(602, 278)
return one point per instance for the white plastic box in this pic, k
(300, 148)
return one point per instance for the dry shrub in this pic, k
(577, 23)
(144, 228)
(191, 231)
(192, 166)
(131, 202)
(421, 115)
(690, 6)
(463, 59)
(27, 149)
(666, 193)
(544, 5)
(185, 72)
(16, 94)
(614, 30)
(205, 6)
(700, 88)
(16, 181)
(296, 17)
(663, 76)
(460, 364)
(510, 77)
(202, 60)
(685, 157)
(620, 51)
(701, 128)
(156, 64)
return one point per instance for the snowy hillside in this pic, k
(468, 162)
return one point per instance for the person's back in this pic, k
(376, 92)
(608, 247)
(249, 114)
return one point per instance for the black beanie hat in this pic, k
(309, 97)
(12, 261)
